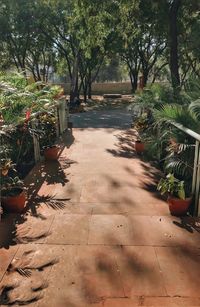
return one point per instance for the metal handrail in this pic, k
(196, 168)
(188, 131)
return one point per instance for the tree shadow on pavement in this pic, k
(125, 145)
(41, 176)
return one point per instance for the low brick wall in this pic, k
(123, 88)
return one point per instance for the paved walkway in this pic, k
(97, 231)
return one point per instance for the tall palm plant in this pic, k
(181, 148)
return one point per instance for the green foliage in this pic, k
(36, 35)
(16, 97)
(171, 185)
(19, 104)
(150, 99)
(10, 185)
(47, 127)
(169, 113)
(165, 143)
(155, 144)
(141, 123)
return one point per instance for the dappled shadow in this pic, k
(46, 173)
(52, 172)
(125, 145)
(190, 224)
(51, 201)
(8, 228)
(7, 290)
(137, 266)
(109, 103)
(153, 176)
(67, 139)
(151, 171)
(151, 187)
(24, 280)
(99, 272)
(111, 119)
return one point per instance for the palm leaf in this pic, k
(179, 167)
(195, 108)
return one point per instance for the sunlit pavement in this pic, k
(109, 239)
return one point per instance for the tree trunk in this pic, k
(90, 90)
(85, 93)
(173, 40)
(89, 85)
(145, 77)
(74, 92)
(134, 80)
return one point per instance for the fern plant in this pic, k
(180, 159)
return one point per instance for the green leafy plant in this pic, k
(141, 123)
(17, 98)
(10, 185)
(172, 186)
(5, 165)
(47, 128)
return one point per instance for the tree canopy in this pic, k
(148, 37)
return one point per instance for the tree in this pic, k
(180, 19)
(16, 30)
(76, 28)
(26, 46)
(89, 69)
(174, 7)
(142, 39)
(189, 45)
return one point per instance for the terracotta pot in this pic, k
(4, 172)
(177, 206)
(139, 147)
(15, 203)
(51, 153)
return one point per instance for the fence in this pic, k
(62, 115)
(196, 167)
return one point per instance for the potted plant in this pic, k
(13, 196)
(47, 123)
(174, 188)
(139, 146)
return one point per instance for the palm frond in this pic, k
(195, 108)
(179, 167)
(170, 114)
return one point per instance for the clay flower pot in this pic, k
(51, 152)
(139, 147)
(14, 203)
(177, 206)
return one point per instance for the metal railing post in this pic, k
(36, 143)
(195, 167)
(67, 114)
(57, 121)
(62, 117)
(197, 185)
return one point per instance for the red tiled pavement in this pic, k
(106, 238)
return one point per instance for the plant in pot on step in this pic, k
(47, 124)
(13, 196)
(12, 193)
(139, 146)
(175, 190)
